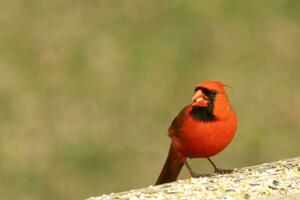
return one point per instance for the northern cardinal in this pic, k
(202, 129)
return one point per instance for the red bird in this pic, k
(201, 130)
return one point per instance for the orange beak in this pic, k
(199, 99)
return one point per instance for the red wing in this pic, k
(174, 129)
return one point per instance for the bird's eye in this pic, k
(214, 91)
(197, 88)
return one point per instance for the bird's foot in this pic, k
(194, 174)
(198, 175)
(223, 171)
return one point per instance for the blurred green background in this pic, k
(89, 88)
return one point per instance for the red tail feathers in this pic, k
(172, 167)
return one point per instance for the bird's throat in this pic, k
(202, 114)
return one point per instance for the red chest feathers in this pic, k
(204, 139)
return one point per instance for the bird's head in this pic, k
(207, 94)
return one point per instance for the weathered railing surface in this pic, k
(278, 180)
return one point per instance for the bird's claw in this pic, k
(223, 171)
(196, 175)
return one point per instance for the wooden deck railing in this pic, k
(278, 180)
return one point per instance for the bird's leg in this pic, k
(218, 170)
(194, 174)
